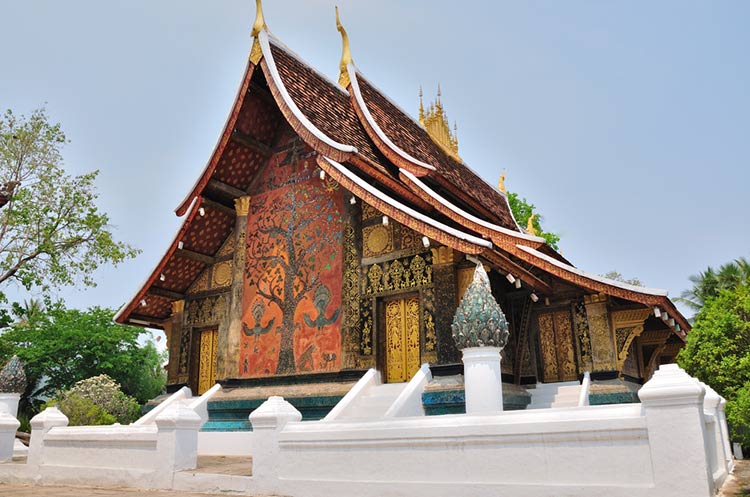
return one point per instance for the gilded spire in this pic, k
(530, 225)
(421, 107)
(258, 25)
(346, 53)
(501, 182)
(436, 123)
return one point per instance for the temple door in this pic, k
(208, 359)
(401, 338)
(556, 346)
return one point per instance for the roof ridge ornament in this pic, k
(501, 182)
(346, 53)
(258, 25)
(530, 225)
(435, 122)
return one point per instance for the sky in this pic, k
(627, 124)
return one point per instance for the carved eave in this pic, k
(651, 297)
(221, 144)
(451, 237)
(310, 134)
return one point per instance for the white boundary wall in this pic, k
(672, 444)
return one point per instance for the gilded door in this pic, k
(556, 346)
(401, 339)
(208, 358)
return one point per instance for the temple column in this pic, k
(229, 342)
(173, 332)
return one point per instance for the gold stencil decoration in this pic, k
(628, 325)
(463, 280)
(227, 247)
(556, 343)
(210, 310)
(208, 360)
(222, 274)
(378, 240)
(369, 212)
(200, 284)
(430, 337)
(352, 322)
(602, 348)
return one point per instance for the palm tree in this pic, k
(711, 282)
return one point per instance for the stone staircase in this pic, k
(563, 394)
(373, 403)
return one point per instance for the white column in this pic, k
(8, 426)
(177, 438)
(714, 404)
(9, 403)
(673, 405)
(268, 420)
(483, 384)
(40, 425)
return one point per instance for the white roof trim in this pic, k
(467, 215)
(266, 49)
(378, 131)
(408, 210)
(625, 286)
(174, 239)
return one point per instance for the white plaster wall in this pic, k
(550, 447)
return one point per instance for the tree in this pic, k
(64, 346)
(289, 247)
(51, 232)
(522, 211)
(718, 352)
(710, 282)
(617, 276)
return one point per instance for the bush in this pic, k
(738, 415)
(81, 411)
(97, 401)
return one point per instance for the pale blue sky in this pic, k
(626, 123)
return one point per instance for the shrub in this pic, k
(81, 411)
(96, 401)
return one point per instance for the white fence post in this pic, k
(673, 404)
(268, 420)
(177, 438)
(8, 426)
(40, 425)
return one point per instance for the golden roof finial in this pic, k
(346, 54)
(259, 23)
(501, 182)
(530, 225)
(421, 107)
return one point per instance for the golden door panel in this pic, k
(208, 360)
(401, 339)
(556, 346)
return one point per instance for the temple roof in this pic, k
(376, 151)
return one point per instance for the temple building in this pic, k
(331, 233)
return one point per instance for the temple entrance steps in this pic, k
(374, 403)
(563, 394)
(370, 398)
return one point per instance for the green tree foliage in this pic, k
(64, 346)
(718, 352)
(617, 276)
(51, 232)
(522, 210)
(81, 411)
(710, 282)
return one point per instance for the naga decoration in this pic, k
(479, 321)
(13, 377)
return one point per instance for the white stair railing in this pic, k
(583, 397)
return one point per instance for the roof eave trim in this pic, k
(656, 292)
(419, 165)
(466, 215)
(220, 145)
(122, 315)
(406, 211)
(286, 103)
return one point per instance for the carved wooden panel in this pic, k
(208, 359)
(402, 338)
(556, 346)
